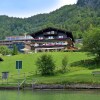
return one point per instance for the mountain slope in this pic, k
(77, 18)
(90, 3)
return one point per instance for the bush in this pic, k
(64, 64)
(4, 50)
(15, 50)
(45, 65)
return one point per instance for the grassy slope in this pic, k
(76, 74)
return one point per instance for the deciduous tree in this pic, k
(91, 42)
(45, 64)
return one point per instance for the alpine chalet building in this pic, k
(45, 40)
(52, 39)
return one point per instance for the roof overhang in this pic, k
(69, 34)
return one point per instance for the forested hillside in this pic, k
(77, 18)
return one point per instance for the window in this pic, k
(61, 37)
(52, 32)
(36, 45)
(48, 33)
(50, 37)
(40, 38)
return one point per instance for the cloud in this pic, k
(66, 2)
(27, 8)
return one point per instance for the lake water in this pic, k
(49, 95)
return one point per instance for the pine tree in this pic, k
(15, 50)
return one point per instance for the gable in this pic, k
(52, 32)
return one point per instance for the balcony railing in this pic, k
(49, 45)
(49, 40)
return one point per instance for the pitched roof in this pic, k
(69, 34)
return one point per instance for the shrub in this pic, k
(4, 50)
(15, 50)
(64, 64)
(45, 65)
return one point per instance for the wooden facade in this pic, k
(50, 39)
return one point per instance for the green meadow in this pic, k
(74, 74)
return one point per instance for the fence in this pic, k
(14, 79)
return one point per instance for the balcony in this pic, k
(49, 45)
(49, 40)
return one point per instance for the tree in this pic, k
(15, 50)
(64, 64)
(70, 17)
(4, 50)
(91, 42)
(45, 65)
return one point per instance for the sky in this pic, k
(28, 8)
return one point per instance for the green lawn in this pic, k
(75, 74)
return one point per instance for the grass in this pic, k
(76, 74)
